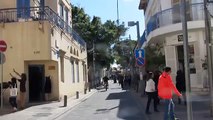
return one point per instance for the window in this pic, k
(62, 67)
(73, 71)
(61, 10)
(74, 51)
(70, 49)
(77, 71)
(66, 16)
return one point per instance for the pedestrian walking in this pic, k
(181, 86)
(145, 78)
(22, 79)
(106, 84)
(157, 74)
(165, 88)
(13, 93)
(121, 80)
(151, 93)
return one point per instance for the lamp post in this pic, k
(130, 24)
(94, 76)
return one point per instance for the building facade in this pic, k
(42, 44)
(164, 26)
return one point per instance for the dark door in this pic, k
(180, 54)
(36, 83)
(23, 8)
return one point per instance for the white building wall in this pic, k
(171, 61)
(168, 30)
(196, 39)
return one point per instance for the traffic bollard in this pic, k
(77, 94)
(65, 100)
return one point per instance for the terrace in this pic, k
(39, 14)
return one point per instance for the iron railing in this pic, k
(39, 13)
(171, 16)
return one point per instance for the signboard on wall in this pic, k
(180, 38)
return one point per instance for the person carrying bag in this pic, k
(13, 93)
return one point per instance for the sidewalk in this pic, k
(50, 111)
(200, 106)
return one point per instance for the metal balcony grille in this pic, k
(38, 14)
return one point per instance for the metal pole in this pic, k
(1, 80)
(186, 60)
(138, 36)
(209, 52)
(94, 83)
(117, 13)
(138, 31)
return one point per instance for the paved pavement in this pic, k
(115, 104)
(49, 111)
(200, 106)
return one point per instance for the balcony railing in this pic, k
(39, 13)
(171, 16)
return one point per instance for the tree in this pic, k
(154, 57)
(102, 35)
(123, 51)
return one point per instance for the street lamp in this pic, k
(130, 24)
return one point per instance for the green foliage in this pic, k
(154, 57)
(94, 31)
(123, 52)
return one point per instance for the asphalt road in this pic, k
(113, 104)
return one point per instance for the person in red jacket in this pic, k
(165, 89)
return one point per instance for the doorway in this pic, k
(36, 83)
(180, 53)
(180, 57)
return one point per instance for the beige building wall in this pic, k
(7, 4)
(42, 43)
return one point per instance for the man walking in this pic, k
(165, 88)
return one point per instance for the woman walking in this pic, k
(151, 93)
(22, 79)
(13, 93)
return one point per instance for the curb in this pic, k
(74, 104)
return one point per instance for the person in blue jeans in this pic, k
(169, 110)
(165, 89)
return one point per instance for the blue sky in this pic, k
(107, 10)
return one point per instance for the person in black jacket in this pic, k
(181, 86)
(157, 74)
(22, 79)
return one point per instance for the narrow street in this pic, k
(113, 104)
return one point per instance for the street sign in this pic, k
(3, 46)
(140, 57)
(2, 58)
(139, 53)
(140, 61)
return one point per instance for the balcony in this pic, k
(38, 14)
(195, 12)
